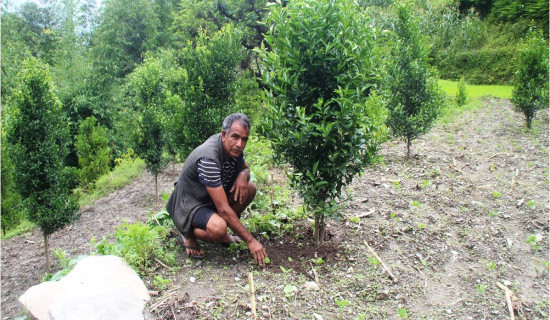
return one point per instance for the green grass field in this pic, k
(476, 91)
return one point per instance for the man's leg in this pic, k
(214, 229)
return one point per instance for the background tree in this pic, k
(148, 92)
(93, 150)
(209, 87)
(531, 82)
(39, 138)
(412, 94)
(320, 73)
(11, 209)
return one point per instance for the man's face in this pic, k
(235, 142)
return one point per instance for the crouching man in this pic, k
(213, 190)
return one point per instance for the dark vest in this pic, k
(189, 193)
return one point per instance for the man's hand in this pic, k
(240, 188)
(257, 251)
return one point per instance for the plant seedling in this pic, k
(402, 312)
(497, 194)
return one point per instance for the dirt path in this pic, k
(450, 223)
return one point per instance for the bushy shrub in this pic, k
(531, 80)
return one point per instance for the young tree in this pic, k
(92, 146)
(531, 80)
(412, 94)
(148, 93)
(39, 136)
(321, 120)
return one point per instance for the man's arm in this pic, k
(240, 187)
(225, 211)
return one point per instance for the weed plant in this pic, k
(140, 245)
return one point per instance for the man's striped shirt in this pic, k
(211, 176)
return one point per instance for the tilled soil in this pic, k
(467, 212)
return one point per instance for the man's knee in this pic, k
(216, 227)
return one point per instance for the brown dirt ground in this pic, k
(449, 223)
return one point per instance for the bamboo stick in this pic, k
(394, 278)
(252, 298)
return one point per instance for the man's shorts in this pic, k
(202, 216)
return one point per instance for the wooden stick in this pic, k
(362, 215)
(514, 179)
(252, 299)
(494, 155)
(394, 278)
(508, 299)
(162, 264)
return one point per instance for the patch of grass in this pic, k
(477, 91)
(24, 227)
(124, 173)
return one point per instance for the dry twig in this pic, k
(362, 215)
(514, 180)
(162, 264)
(508, 299)
(394, 278)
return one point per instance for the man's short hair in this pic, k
(228, 122)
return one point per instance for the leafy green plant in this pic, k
(160, 283)
(373, 261)
(320, 72)
(480, 288)
(417, 204)
(341, 303)
(533, 241)
(497, 194)
(493, 213)
(402, 312)
(461, 95)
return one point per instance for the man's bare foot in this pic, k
(192, 247)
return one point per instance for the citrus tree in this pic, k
(412, 94)
(39, 135)
(320, 71)
(531, 79)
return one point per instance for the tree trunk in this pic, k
(156, 187)
(528, 120)
(408, 147)
(319, 232)
(47, 249)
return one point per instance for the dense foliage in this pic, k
(531, 82)
(412, 94)
(320, 73)
(93, 150)
(39, 136)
